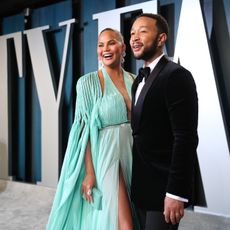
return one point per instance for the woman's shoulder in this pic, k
(89, 84)
(88, 78)
(131, 75)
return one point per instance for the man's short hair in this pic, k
(161, 22)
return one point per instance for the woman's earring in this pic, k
(101, 64)
(122, 58)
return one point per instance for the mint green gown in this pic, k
(103, 119)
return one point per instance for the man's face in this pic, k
(144, 38)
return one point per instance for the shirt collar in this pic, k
(154, 63)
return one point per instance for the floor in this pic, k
(26, 207)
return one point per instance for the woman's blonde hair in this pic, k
(117, 33)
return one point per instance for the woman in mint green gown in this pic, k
(94, 185)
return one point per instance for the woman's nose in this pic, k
(106, 47)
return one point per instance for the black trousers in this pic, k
(153, 220)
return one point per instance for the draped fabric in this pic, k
(103, 119)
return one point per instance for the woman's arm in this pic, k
(90, 180)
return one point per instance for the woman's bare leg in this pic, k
(125, 221)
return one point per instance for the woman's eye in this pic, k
(112, 43)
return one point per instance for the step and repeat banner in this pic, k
(44, 51)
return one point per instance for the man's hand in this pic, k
(173, 210)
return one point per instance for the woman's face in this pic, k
(110, 48)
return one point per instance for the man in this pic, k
(164, 123)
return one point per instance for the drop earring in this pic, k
(123, 57)
(101, 64)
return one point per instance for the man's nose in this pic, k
(135, 37)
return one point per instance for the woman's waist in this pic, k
(115, 125)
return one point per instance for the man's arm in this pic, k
(183, 112)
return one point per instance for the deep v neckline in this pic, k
(106, 76)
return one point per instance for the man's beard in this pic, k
(149, 52)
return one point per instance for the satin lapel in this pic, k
(137, 109)
(133, 91)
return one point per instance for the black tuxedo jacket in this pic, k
(164, 124)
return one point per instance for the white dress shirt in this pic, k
(139, 88)
(142, 83)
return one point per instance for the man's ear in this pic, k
(162, 39)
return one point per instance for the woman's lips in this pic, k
(107, 56)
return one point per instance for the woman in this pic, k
(98, 159)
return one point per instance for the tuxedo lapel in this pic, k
(133, 91)
(137, 109)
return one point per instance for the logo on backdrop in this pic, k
(49, 102)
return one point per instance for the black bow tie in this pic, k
(143, 73)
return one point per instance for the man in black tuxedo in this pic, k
(164, 122)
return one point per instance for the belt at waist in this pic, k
(116, 125)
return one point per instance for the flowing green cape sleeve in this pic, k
(67, 204)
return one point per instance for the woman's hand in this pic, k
(87, 185)
(90, 180)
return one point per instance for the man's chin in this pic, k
(138, 56)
